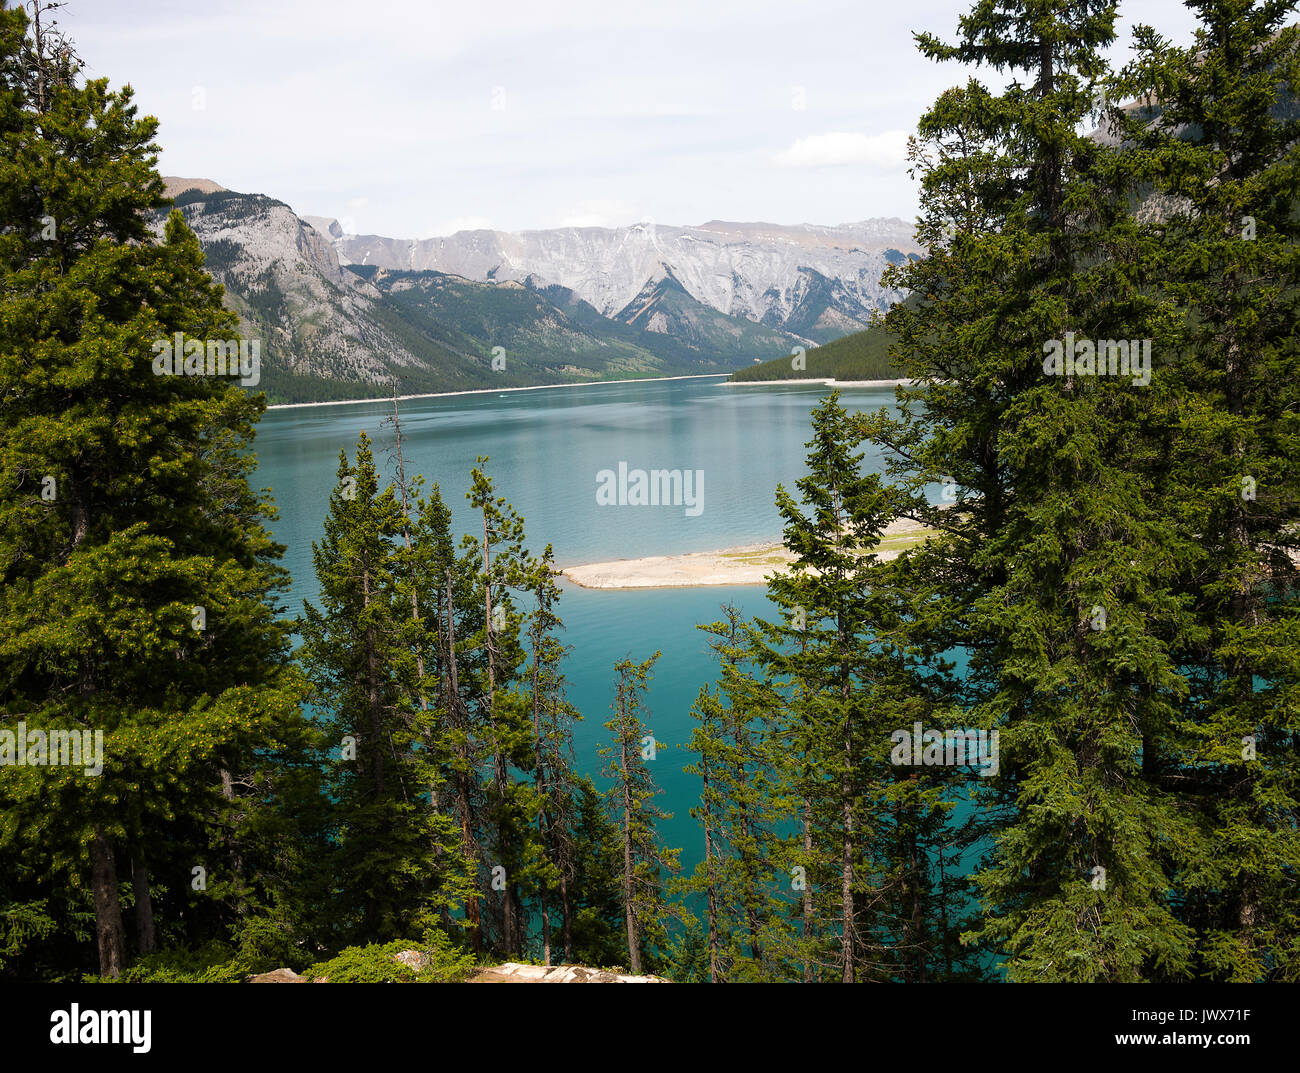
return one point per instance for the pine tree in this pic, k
(738, 813)
(552, 773)
(858, 652)
(1058, 563)
(630, 800)
(599, 932)
(138, 589)
(503, 713)
(394, 867)
(1213, 139)
(444, 586)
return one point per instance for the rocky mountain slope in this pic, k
(453, 314)
(323, 329)
(817, 283)
(331, 331)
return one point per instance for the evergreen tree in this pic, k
(1214, 145)
(738, 812)
(1058, 564)
(503, 713)
(444, 586)
(138, 588)
(396, 866)
(861, 664)
(599, 931)
(552, 773)
(630, 800)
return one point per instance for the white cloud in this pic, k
(837, 148)
(601, 213)
(383, 111)
(461, 223)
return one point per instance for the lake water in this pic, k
(546, 449)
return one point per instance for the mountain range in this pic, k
(347, 316)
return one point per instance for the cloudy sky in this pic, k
(420, 118)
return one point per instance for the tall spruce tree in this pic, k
(397, 864)
(1059, 563)
(738, 813)
(554, 781)
(857, 650)
(138, 589)
(631, 802)
(503, 712)
(1213, 140)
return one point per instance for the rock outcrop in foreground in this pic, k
(512, 973)
(509, 973)
(277, 976)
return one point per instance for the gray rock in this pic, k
(276, 976)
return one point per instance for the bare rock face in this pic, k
(174, 186)
(276, 976)
(513, 973)
(282, 275)
(415, 960)
(760, 272)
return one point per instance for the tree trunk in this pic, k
(806, 928)
(747, 829)
(108, 910)
(633, 946)
(462, 776)
(715, 964)
(708, 871)
(846, 801)
(546, 931)
(509, 921)
(846, 884)
(539, 780)
(146, 939)
(372, 693)
(566, 907)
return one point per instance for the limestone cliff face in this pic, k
(342, 317)
(315, 318)
(823, 280)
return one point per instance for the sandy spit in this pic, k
(747, 564)
(818, 380)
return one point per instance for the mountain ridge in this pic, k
(334, 327)
(758, 271)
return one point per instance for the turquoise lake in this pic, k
(546, 448)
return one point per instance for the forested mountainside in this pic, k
(330, 329)
(863, 355)
(331, 332)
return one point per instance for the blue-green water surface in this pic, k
(546, 448)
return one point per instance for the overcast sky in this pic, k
(420, 118)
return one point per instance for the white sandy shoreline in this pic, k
(746, 564)
(492, 391)
(592, 383)
(829, 380)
